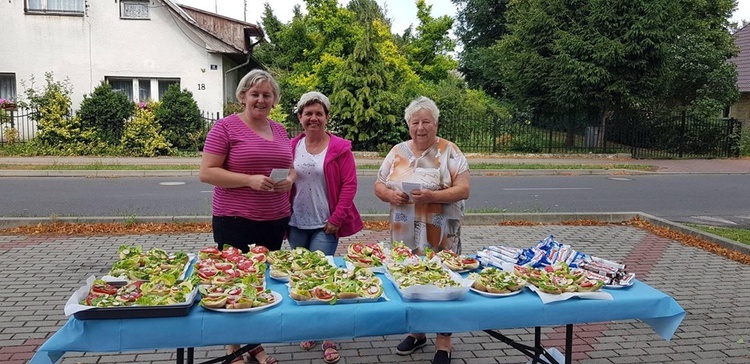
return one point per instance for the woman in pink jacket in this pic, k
(323, 194)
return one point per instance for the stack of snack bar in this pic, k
(612, 273)
(549, 252)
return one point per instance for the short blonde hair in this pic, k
(255, 77)
(313, 97)
(422, 103)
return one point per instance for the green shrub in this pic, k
(55, 125)
(105, 113)
(5, 118)
(745, 139)
(233, 108)
(179, 117)
(142, 136)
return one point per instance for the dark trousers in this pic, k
(240, 232)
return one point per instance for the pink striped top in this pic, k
(247, 152)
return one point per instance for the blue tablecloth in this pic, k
(289, 322)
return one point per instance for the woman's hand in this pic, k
(398, 198)
(422, 196)
(260, 182)
(283, 186)
(330, 229)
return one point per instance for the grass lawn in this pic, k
(736, 234)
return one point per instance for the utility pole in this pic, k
(244, 13)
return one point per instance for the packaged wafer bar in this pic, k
(608, 263)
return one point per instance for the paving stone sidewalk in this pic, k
(40, 273)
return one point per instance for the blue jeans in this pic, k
(313, 239)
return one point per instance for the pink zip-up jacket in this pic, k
(340, 173)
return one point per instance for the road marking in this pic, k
(207, 191)
(547, 188)
(714, 219)
(619, 179)
(172, 183)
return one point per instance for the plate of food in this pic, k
(494, 282)
(337, 285)
(276, 300)
(135, 264)
(286, 262)
(101, 300)
(495, 295)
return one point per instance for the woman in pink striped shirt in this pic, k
(240, 152)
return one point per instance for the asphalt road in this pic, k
(707, 199)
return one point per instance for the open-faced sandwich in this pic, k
(365, 255)
(496, 281)
(454, 262)
(558, 278)
(333, 284)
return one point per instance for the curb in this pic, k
(469, 219)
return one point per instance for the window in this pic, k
(123, 85)
(134, 9)
(164, 85)
(144, 90)
(144, 86)
(55, 6)
(8, 86)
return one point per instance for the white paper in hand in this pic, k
(278, 174)
(407, 187)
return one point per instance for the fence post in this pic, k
(549, 140)
(494, 134)
(683, 116)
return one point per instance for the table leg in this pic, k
(227, 359)
(569, 343)
(537, 351)
(180, 355)
(190, 355)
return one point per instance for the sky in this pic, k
(402, 12)
(742, 12)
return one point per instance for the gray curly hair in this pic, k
(422, 103)
(313, 97)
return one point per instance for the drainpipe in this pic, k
(247, 61)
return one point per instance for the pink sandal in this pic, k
(307, 345)
(259, 349)
(330, 352)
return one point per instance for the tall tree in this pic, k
(427, 50)
(481, 23)
(570, 55)
(365, 91)
(697, 73)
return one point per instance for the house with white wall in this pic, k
(140, 47)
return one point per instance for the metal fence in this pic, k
(641, 134)
(16, 126)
